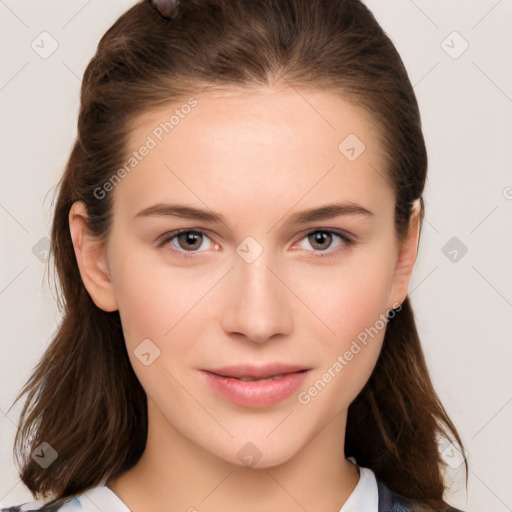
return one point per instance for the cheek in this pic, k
(155, 301)
(351, 297)
(352, 301)
(159, 305)
(355, 312)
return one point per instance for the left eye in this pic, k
(187, 242)
(323, 240)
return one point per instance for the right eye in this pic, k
(186, 242)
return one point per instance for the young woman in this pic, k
(234, 238)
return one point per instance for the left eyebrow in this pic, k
(329, 211)
(311, 215)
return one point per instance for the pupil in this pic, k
(320, 238)
(191, 238)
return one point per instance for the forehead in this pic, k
(292, 115)
(264, 143)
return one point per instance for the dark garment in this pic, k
(390, 501)
(46, 508)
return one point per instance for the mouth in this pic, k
(256, 379)
(274, 377)
(247, 373)
(250, 386)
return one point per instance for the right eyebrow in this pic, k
(181, 211)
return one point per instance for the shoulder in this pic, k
(91, 500)
(77, 503)
(390, 501)
(72, 504)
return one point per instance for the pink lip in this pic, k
(257, 372)
(258, 392)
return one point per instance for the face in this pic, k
(258, 278)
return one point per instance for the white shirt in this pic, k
(364, 498)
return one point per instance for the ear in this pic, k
(408, 252)
(92, 261)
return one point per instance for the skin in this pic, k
(256, 157)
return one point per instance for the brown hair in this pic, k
(83, 397)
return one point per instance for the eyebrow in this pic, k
(313, 214)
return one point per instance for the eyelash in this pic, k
(167, 237)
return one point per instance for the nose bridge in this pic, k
(258, 305)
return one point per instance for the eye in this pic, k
(321, 240)
(187, 242)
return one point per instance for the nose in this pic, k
(258, 304)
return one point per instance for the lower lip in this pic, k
(254, 393)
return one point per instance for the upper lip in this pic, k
(256, 372)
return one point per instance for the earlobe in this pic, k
(91, 258)
(406, 258)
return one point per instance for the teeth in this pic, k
(249, 379)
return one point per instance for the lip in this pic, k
(256, 372)
(258, 392)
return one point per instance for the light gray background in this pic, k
(463, 307)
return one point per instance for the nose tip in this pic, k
(258, 304)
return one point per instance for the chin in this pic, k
(260, 453)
